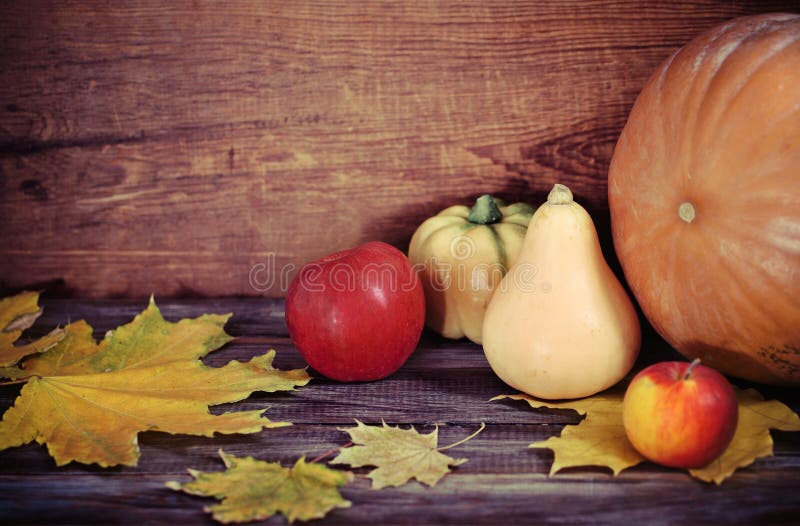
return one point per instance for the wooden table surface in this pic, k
(445, 382)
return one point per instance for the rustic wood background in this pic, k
(178, 148)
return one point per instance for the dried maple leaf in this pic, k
(399, 454)
(88, 401)
(252, 489)
(18, 313)
(752, 439)
(600, 439)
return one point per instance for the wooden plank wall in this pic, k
(175, 147)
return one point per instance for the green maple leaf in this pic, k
(251, 489)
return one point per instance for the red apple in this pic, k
(356, 315)
(679, 414)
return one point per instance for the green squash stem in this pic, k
(485, 211)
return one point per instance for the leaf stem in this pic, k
(330, 452)
(473, 435)
(15, 382)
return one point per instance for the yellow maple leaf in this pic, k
(88, 401)
(18, 313)
(600, 439)
(399, 454)
(752, 439)
(252, 489)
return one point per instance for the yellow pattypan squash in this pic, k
(461, 255)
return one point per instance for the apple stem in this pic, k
(691, 367)
(473, 435)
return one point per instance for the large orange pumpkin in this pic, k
(704, 191)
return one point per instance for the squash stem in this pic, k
(559, 195)
(686, 211)
(485, 211)
(691, 367)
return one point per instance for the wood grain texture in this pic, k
(179, 147)
(447, 383)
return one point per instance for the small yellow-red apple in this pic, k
(679, 414)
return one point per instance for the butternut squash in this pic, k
(560, 324)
